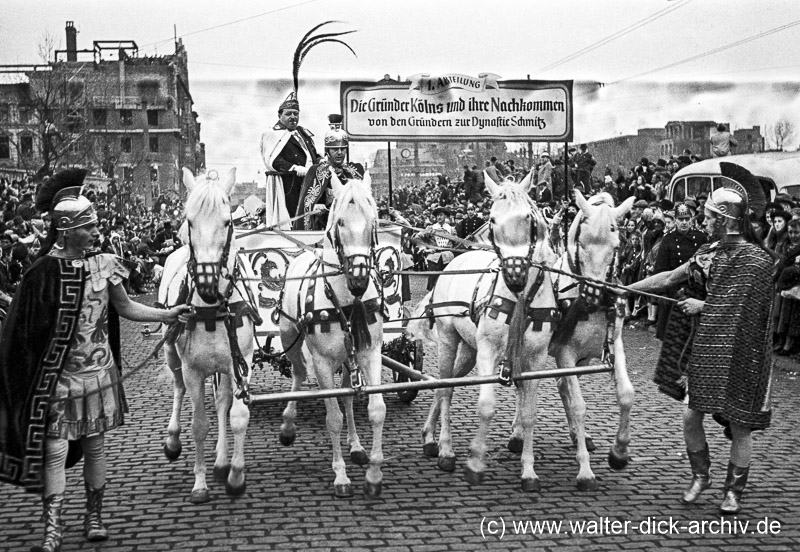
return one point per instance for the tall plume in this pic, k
(308, 42)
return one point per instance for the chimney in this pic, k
(72, 42)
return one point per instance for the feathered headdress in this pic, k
(756, 200)
(50, 187)
(306, 43)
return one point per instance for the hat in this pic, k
(641, 204)
(784, 198)
(702, 195)
(644, 161)
(584, 146)
(61, 196)
(669, 214)
(289, 103)
(691, 204)
(682, 211)
(438, 210)
(545, 154)
(336, 137)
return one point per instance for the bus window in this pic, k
(696, 185)
(679, 191)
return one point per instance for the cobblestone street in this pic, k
(289, 502)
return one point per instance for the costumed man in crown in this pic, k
(288, 149)
(717, 351)
(60, 381)
(317, 194)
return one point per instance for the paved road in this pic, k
(289, 503)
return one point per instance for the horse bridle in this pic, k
(357, 268)
(588, 291)
(515, 268)
(206, 275)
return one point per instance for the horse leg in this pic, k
(618, 456)
(324, 370)
(526, 403)
(377, 415)
(240, 418)
(563, 390)
(296, 357)
(576, 408)
(357, 453)
(172, 446)
(195, 385)
(487, 360)
(448, 348)
(223, 396)
(515, 442)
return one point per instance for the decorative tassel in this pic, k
(359, 326)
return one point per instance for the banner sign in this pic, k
(458, 108)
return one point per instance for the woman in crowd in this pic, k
(59, 360)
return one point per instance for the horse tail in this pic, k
(515, 349)
(359, 326)
(420, 327)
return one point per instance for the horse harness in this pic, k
(205, 277)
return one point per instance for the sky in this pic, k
(635, 63)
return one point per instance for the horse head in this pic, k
(352, 230)
(593, 238)
(515, 227)
(210, 231)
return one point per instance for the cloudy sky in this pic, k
(636, 63)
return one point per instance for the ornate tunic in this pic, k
(317, 189)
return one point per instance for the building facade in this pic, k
(123, 117)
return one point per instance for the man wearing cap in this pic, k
(584, 164)
(636, 213)
(676, 249)
(471, 223)
(288, 152)
(437, 258)
(544, 178)
(316, 192)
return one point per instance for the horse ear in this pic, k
(188, 179)
(583, 205)
(491, 185)
(527, 182)
(230, 180)
(367, 180)
(624, 207)
(336, 184)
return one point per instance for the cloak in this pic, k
(34, 346)
(316, 183)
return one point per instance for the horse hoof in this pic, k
(372, 490)
(171, 454)
(359, 457)
(590, 446)
(587, 484)
(515, 445)
(531, 485)
(431, 450)
(617, 462)
(287, 440)
(235, 491)
(446, 463)
(473, 477)
(199, 497)
(343, 491)
(221, 473)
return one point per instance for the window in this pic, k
(679, 191)
(127, 174)
(74, 121)
(5, 111)
(5, 147)
(100, 117)
(152, 117)
(125, 117)
(24, 114)
(154, 144)
(26, 145)
(126, 144)
(695, 185)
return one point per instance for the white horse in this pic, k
(205, 273)
(592, 318)
(335, 321)
(480, 318)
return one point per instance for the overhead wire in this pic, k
(614, 36)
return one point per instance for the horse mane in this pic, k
(206, 198)
(354, 191)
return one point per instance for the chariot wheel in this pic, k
(411, 354)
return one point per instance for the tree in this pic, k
(780, 133)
